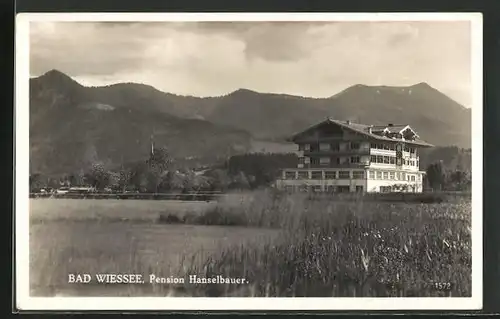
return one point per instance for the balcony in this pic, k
(336, 152)
(335, 165)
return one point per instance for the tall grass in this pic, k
(345, 249)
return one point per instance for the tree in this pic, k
(436, 175)
(219, 179)
(153, 180)
(240, 181)
(35, 181)
(124, 179)
(189, 181)
(175, 180)
(459, 180)
(99, 178)
(137, 177)
(160, 159)
(159, 163)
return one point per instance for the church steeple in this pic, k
(152, 151)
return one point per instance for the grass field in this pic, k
(283, 245)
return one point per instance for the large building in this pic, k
(341, 156)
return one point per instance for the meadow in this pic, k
(284, 245)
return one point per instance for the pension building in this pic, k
(341, 156)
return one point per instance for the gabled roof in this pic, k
(365, 130)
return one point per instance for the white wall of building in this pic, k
(352, 183)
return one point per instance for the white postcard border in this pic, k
(21, 114)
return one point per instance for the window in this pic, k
(354, 146)
(373, 145)
(324, 160)
(334, 146)
(412, 178)
(396, 176)
(380, 159)
(315, 160)
(379, 175)
(391, 176)
(307, 147)
(301, 160)
(392, 147)
(385, 189)
(330, 175)
(403, 177)
(380, 146)
(314, 147)
(418, 164)
(407, 149)
(303, 175)
(359, 189)
(289, 175)
(343, 189)
(301, 147)
(355, 159)
(344, 175)
(412, 150)
(303, 188)
(371, 174)
(324, 147)
(316, 188)
(330, 189)
(358, 175)
(316, 175)
(392, 160)
(386, 160)
(373, 159)
(385, 175)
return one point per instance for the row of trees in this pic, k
(441, 178)
(160, 174)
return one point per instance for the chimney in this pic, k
(348, 122)
(370, 129)
(390, 124)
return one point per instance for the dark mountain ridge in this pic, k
(72, 127)
(64, 113)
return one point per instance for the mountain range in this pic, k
(72, 126)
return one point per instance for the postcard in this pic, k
(248, 161)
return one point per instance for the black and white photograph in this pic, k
(230, 161)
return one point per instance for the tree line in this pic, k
(160, 174)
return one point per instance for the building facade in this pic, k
(341, 156)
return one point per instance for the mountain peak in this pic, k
(57, 77)
(55, 73)
(422, 85)
(243, 91)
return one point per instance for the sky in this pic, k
(312, 59)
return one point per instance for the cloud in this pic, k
(214, 58)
